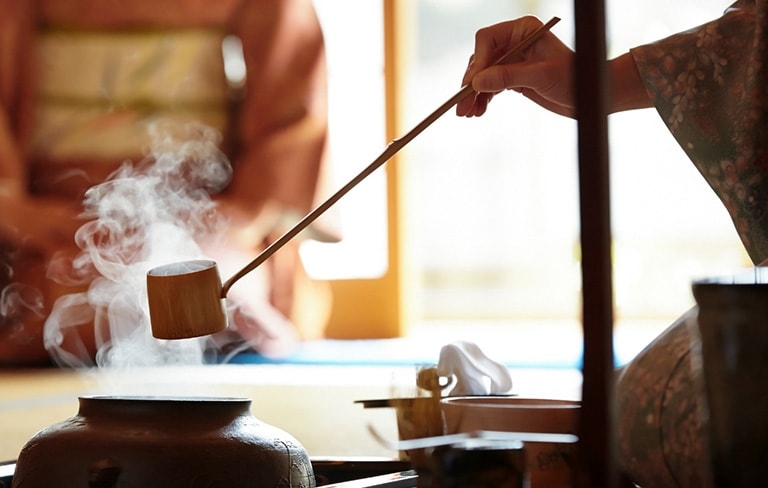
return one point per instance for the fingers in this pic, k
(474, 105)
(541, 72)
(470, 72)
(533, 75)
(493, 42)
(526, 78)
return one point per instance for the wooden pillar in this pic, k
(596, 463)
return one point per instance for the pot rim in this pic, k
(165, 398)
(745, 277)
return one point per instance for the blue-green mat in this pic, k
(404, 351)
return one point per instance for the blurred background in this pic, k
(483, 213)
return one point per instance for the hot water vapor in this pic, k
(146, 214)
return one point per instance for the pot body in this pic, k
(549, 465)
(162, 442)
(732, 349)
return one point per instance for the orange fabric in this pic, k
(276, 138)
(279, 134)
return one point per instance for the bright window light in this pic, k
(355, 52)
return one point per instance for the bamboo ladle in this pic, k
(186, 299)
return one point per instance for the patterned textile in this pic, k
(125, 81)
(659, 427)
(710, 86)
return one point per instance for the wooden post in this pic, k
(596, 465)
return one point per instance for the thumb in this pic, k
(494, 79)
(534, 76)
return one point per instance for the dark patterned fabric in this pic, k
(660, 431)
(710, 86)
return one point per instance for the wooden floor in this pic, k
(315, 404)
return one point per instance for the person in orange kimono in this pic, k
(218, 108)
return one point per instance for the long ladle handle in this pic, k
(391, 149)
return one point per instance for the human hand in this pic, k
(252, 319)
(543, 72)
(261, 326)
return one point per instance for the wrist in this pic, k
(627, 90)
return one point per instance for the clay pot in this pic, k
(162, 442)
(549, 465)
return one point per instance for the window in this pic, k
(489, 206)
(355, 58)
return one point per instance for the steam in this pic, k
(16, 297)
(144, 215)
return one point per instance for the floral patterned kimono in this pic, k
(710, 86)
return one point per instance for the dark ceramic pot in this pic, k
(732, 350)
(163, 442)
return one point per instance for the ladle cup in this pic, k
(186, 298)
